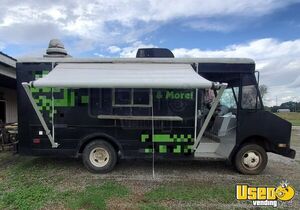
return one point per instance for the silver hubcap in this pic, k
(251, 160)
(99, 157)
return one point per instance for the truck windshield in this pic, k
(229, 98)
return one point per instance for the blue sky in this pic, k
(265, 30)
(284, 24)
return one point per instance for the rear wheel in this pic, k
(251, 159)
(99, 156)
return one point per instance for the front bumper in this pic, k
(287, 152)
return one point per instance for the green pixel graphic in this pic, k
(173, 142)
(84, 99)
(63, 97)
(167, 138)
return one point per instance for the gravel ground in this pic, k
(278, 167)
(137, 175)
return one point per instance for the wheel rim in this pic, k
(99, 157)
(251, 160)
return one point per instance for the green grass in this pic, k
(191, 192)
(36, 196)
(95, 197)
(21, 189)
(295, 122)
(32, 184)
(292, 117)
(27, 197)
(40, 183)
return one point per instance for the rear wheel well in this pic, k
(104, 138)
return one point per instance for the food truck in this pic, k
(105, 109)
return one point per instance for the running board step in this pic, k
(208, 140)
(212, 136)
(208, 155)
(207, 147)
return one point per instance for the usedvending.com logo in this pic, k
(264, 195)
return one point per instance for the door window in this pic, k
(229, 98)
(250, 97)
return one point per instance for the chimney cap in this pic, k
(56, 48)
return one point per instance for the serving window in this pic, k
(122, 97)
(128, 97)
(120, 101)
(100, 102)
(129, 104)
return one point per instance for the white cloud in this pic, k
(113, 49)
(99, 55)
(105, 23)
(2, 46)
(296, 82)
(130, 52)
(98, 24)
(209, 25)
(277, 61)
(57, 13)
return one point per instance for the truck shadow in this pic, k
(138, 168)
(141, 169)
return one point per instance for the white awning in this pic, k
(122, 75)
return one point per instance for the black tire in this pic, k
(102, 162)
(251, 159)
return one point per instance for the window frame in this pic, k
(236, 96)
(131, 99)
(258, 99)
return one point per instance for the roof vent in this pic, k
(56, 49)
(154, 53)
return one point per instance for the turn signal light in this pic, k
(36, 141)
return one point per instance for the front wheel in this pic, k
(99, 156)
(251, 159)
